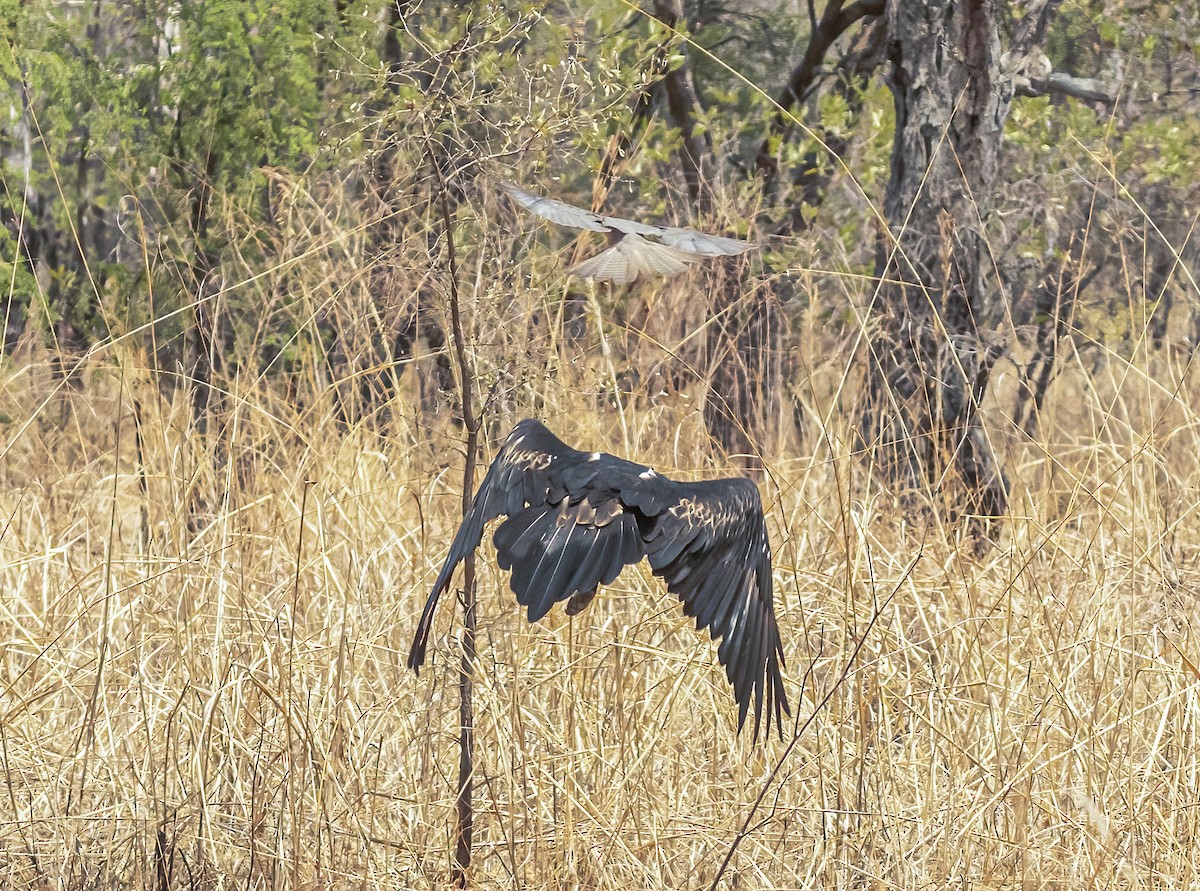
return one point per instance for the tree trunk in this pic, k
(938, 291)
(19, 211)
(695, 150)
(747, 364)
(745, 367)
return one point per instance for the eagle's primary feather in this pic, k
(575, 519)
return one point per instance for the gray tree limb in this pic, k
(1088, 89)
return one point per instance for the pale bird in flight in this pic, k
(641, 250)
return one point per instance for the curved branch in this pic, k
(1032, 72)
(835, 21)
(683, 105)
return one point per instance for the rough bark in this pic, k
(938, 293)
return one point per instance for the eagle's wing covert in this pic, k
(571, 544)
(711, 549)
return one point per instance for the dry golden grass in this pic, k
(228, 706)
(204, 680)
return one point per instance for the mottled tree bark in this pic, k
(939, 294)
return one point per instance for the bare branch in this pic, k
(835, 21)
(1089, 89)
(811, 175)
(464, 803)
(683, 105)
(1031, 72)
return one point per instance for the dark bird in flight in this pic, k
(576, 519)
(635, 253)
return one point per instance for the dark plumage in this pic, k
(576, 519)
(641, 250)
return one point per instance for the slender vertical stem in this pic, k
(466, 716)
(292, 795)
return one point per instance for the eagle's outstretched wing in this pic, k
(710, 547)
(635, 254)
(576, 519)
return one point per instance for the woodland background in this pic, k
(232, 436)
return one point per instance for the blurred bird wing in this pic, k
(634, 257)
(689, 240)
(704, 244)
(633, 227)
(686, 241)
(556, 211)
(711, 549)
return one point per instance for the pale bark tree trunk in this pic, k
(939, 293)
